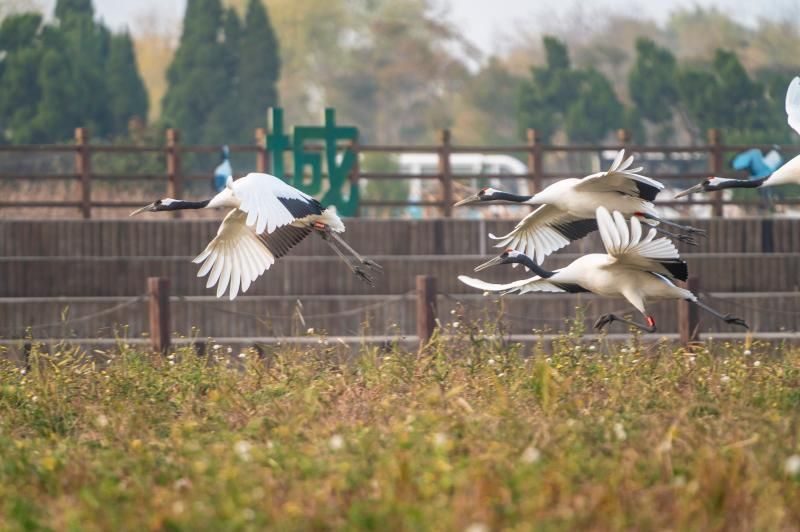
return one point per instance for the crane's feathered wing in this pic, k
(548, 228)
(270, 203)
(631, 248)
(237, 256)
(544, 231)
(533, 284)
(620, 177)
(793, 104)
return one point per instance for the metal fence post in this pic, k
(174, 178)
(83, 167)
(715, 165)
(445, 174)
(426, 308)
(158, 294)
(535, 160)
(689, 315)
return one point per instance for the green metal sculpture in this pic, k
(339, 168)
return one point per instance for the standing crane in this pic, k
(268, 217)
(566, 209)
(633, 267)
(787, 174)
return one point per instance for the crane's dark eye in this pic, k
(482, 191)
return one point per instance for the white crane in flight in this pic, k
(634, 266)
(267, 218)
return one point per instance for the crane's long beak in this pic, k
(468, 200)
(146, 208)
(694, 189)
(489, 263)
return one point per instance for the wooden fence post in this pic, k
(445, 175)
(83, 167)
(426, 307)
(623, 136)
(174, 178)
(535, 161)
(715, 165)
(689, 315)
(355, 172)
(262, 156)
(158, 294)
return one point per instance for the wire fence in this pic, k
(584, 310)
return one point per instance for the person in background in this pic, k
(759, 165)
(223, 170)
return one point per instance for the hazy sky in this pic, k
(484, 21)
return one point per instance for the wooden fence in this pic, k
(534, 150)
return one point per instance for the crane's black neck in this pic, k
(531, 265)
(507, 196)
(739, 183)
(178, 205)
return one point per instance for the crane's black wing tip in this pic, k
(647, 192)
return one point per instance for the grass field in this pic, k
(469, 435)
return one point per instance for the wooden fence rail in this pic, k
(426, 313)
(534, 150)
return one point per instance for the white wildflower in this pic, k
(490, 361)
(310, 330)
(242, 355)
(792, 465)
(242, 449)
(592, 348)
(724, 379)
(455, 325)
(757, 363)
(216, 346)
(440, 439)
(336, 442)
(453, 312)
(747, 352)
(531, 455)
(101, 421)
(619, 432)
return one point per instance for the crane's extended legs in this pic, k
(727, 318)
(686, 239)
(360, 265)
(688, 228)
(606, 319)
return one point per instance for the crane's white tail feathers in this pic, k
(793, 104)
(523, 286)
(332, 220)
(620, 241)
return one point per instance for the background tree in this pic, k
(198, 76)
(259, 67)
(55, 77)
(127, 96)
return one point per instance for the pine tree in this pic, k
(652, 81)
(259, 67)
(127, 96)
(197, 76)
(223, 124)
(20, 43)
